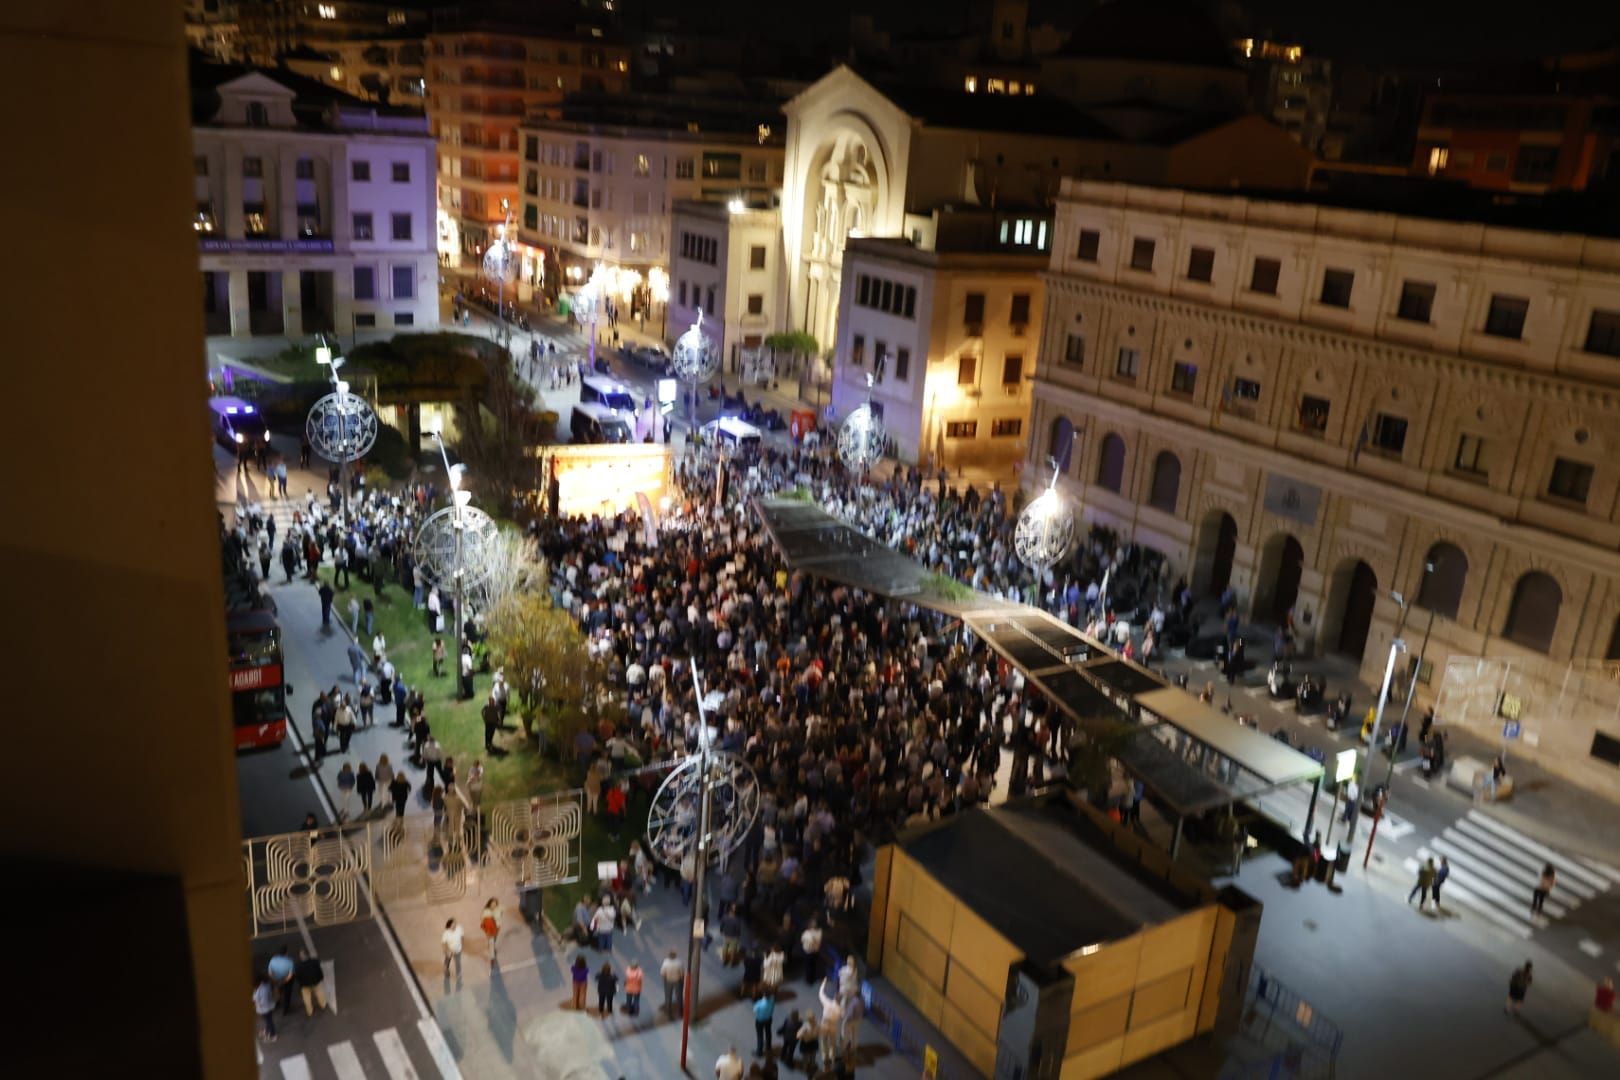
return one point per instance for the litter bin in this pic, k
(1342, 863)
(529, 901)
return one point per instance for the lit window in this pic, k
(1029, 89)
(995, 86)
(971, 84)
(1438, 155)
(326, 11)
(1015, 87)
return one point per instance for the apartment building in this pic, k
(1520, 143)
(314, 210)
(482, 81)
(726, 258)
(1318, 406)
(948, 327)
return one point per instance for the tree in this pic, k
(543, 652)
(493, 426)
(514, 564)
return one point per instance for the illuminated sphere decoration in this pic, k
(1045, 530)
(672, 822)
(342, 427)
(498, 261)
(696, 359)
(860, 439)
(436, 548)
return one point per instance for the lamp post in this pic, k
(498, 264)
(1397, 646)
(694, 362)
(459, 500)
(341, 426)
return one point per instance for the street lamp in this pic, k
(498, 265)
(1397, 646)
(589, 301)
(456, 543)
(341, 426)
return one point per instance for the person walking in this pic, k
(634, 978)
(357, 662)
(490, 924)
(764, 1013)
(1518, 987)
(790, 1036)
(580, 974)
(354, 603)
(325, 592)
(344, 722)
(368, 705)
(438, 657)
(466, 673)
(1440, 877)
(607, 987)
(310, 976)
(603, 919)
(832, 1016)
(1425, 882)
(807, 1041)
(399, 789)
(770, 972)
(674, 975)
(1544, 888)
(264, 1003)
(345, 785)
(451, 940)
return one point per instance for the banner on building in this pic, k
(1292, 499)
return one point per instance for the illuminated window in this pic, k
(396, 18)
(971, 84)
(1015, 87)
(1029, 89)
(326, 11)
(1438, 156)
(643, 166)
(995, 86)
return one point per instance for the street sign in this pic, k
(1510, 730)
(1344, 765)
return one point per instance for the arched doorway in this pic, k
(1360, 597)
(1282, 563)
(1217, 548)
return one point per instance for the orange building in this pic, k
(1522, 143)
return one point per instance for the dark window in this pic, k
(1313, 414)
(404, 318)
(756, 303)
(404, 282)
(1506, 317)
(1111, 463)
(910, 310)
(1020, 310)
(402, 226)
(531, 216)
(1142, 254)
(402, 172)
(531, 148)
(1006, 429)
(1089, 239)
(362, 226)
(1201, 264)
(1012, 371)
(683, 294)
(961, 429)
(1535, 164)
(756, 257)
(1603, 333)
(1442, 587)
(1060, 442)
(709, 297)
(902, 364)
(1606, 748)
(365, 283)
(1533, 616)
(1417, 301)
(973, 311)
(1389, 433)
(304, 169)
(199, 165)
(252, 167)
(1263, 279)
(857, 350)
(1074, 350)
(1129, 361)
(365, 318)
(1336, 286)
(360, 170)
(1184, 378)
(1246, 389)
(257, 115)
(1570, 480)
(880, 359)
(1471, 455)
(863, 290)
(1166, 482)
(967, 368)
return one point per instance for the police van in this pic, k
(593, 423)
(733, 434)
(615, 395)
(237, 423)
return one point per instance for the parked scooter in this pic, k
(1279, 681)
(1338, 713)
(1308, 698)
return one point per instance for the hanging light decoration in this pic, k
(696, 359)
(1045, 530)
(861, 436)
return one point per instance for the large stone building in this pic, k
(726, 259)
(1312, 404)
(314, 210)
(482, 81)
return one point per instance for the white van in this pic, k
(593, 423)
(733, 434)
(598, 390)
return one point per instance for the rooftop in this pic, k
(670, 113)
(1037, 114)
(1154, 31)
(317, 106)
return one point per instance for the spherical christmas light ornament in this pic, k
(696, 359)
(673, 820)
(1045, 529)
(445, 559)
(860, 439)
(499, 260)
(341, 426)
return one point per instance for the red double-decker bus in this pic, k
(258, 693)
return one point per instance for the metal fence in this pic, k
(1272, 1013)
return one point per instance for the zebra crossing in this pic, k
(1288, 806)
(399, 1053)
(1494, 869)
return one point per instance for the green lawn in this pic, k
(459, 727)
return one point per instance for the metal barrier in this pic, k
(1313, 1040)
(882, 1014)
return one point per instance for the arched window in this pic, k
(1111, 465)
(1061, 445)
(1166, 482)
(1442, 588)
(1534, 614)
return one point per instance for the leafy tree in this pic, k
(543, 652)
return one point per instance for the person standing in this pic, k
(354, 607)
(790, 1037)
(1440, 877)
(728, 1066)
(807, 1041)
(310, 976)
(365, 785)
(317, 725)
(438, 657)
(281, 977)
(491, 713)
(466, 672)
(770, 973)
(368, 705)
(357, 662)
(326, 595)
(400, 695)
(490, 924)
(1518, 987)
(764, 1013)
(385, 776)
(1425, 882)
(607, 987)
(1543, 889)
(674, 975)
(580, 975)
(344, 722)
(810, 942)
(451, 940)
(634, 978)
(369, 612)
(603, 919)
(399, 789)
(264, 1003)
(345, 785)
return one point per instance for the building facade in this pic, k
(726, 260)
(1521, 143)
(314, 211)
(481, 84)
(948, 330)
(1318, 406)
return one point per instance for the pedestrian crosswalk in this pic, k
(1495, 868)
(1288, 806)
(399, 1053)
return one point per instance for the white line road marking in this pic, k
(1520, 865)
(329, 983)
(295, 1067)
(346, 1061)
(1607, 871)
(1591, 948)
(395, 1059)
(1395, 827)
(442, 1057)
(1468, 864)
(1474, 903)
(1408, 765)
(1562, 862)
